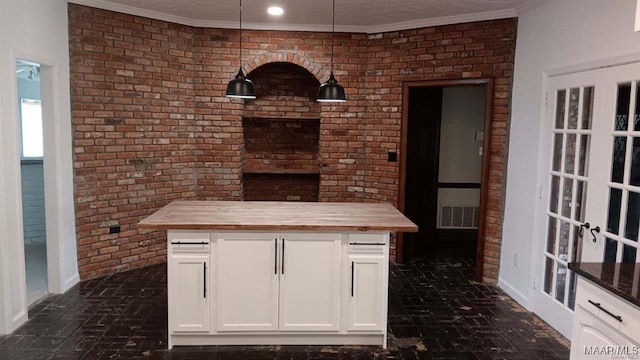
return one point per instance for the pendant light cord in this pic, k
(333, 32)
(241, 34)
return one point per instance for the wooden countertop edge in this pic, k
(278, 227)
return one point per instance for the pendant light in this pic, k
(241, 87)
(331, 91)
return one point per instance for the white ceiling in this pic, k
(368, 16)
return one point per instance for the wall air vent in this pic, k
(458, 217)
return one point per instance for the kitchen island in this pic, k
(285, 273)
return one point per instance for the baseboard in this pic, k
(71, 281)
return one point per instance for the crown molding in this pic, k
(414, 24)
(444, 20)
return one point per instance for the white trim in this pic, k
(373, 29)
(594, 65)
(636, 28)
(519, 297)
(307, 338)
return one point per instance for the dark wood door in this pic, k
(423, 144)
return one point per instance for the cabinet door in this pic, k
(310, 282)
(366, 293)
(247, 282)
(188, 293)
(591, 336)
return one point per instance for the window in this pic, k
(32, 138)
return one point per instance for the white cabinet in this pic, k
(366, 293)
(270, 281)
(188, 274)
(310, 282)
(604, 323)
(247, 282)
(285, 288)
(591, 334)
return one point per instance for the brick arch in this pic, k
(311, 66)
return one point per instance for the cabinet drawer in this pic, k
(189, 241)
(368, 243)
(598, 301)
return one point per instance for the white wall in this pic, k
(462, 115)
(38, 31)
(557, 34)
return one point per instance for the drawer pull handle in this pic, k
(366, 243)
(275, 263)
(189, 243)
(617, 317)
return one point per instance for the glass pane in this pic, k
(636, 117)
(570, 154)
(575, 247)
(635, 162)
(557, 152)
(613, 219)
(572, 289)
(619, 155)
(563, 244)
(581, 201)
(587, 108)
(633, 216)
(548, 275)
(610, 250)
(551, 235)
(561, 277)
(574, 97)
(567, 192)
(560, 104)
(555, 190)
(583, 156)
(628, 254)
(32, 138)
(622, 109)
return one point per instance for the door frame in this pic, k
(484, 188)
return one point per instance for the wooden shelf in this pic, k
(276, 171)
(283, 119)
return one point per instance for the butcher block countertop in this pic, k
(268, 215)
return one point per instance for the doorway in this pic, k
(443, 166)
(31, 144)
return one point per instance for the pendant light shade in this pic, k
(331, 91)
(241, 87)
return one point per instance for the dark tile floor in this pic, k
(435, 312)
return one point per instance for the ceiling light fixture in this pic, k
(241, 87)
(331, 91)
(275, 10)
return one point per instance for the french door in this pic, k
(591, 186)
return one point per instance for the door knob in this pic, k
(582, 227)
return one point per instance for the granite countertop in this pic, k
(268, 215)
(621, 279)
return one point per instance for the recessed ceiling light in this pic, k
(275, 10)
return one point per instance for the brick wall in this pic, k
(132, 109)
(281, 187)
(151, 122)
